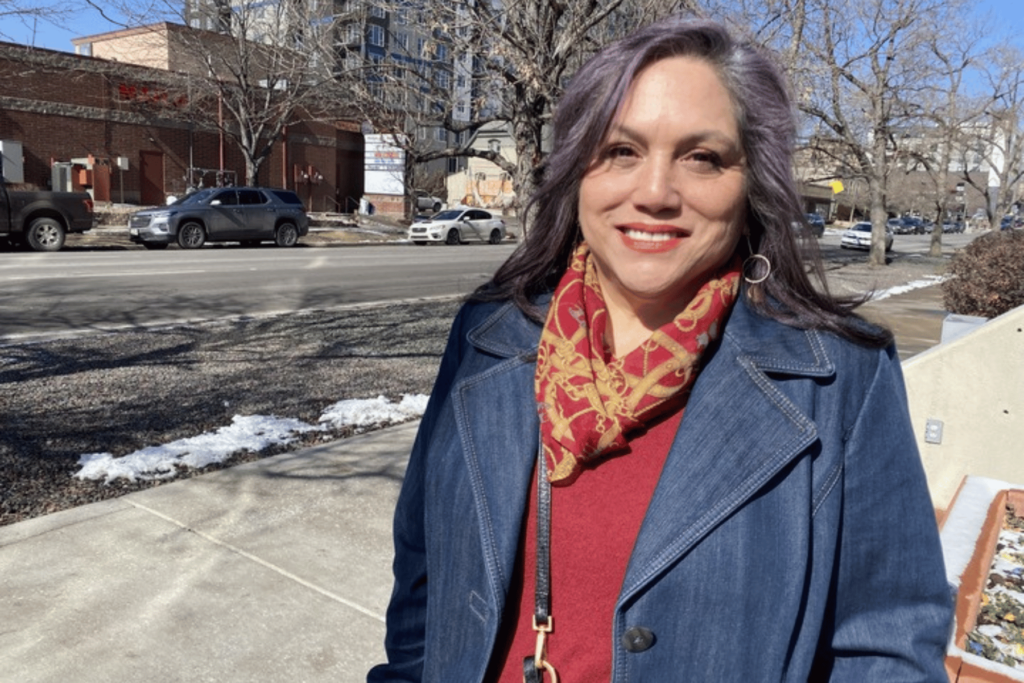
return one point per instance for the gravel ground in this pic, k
(122, 391)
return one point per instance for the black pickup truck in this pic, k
(40, 219)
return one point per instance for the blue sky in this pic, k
(1007, 19)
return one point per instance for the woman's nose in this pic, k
(656, 189)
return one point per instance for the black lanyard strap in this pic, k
(535, 666)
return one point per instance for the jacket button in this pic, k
(637, 639)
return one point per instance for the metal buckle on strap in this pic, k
(540, 652)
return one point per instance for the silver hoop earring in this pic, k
(755, 263)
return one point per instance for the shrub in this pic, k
(987, 276)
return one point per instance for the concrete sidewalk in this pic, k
(914, 317)
(276, 570)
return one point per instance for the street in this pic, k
(46, 294)
(902, 246)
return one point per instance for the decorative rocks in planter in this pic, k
(998, 634)
(983, 545)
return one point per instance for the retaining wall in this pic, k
(967, 406)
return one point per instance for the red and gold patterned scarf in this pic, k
(588, 401)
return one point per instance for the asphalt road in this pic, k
(44, 294)
(902, 245)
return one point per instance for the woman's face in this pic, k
(662, 204)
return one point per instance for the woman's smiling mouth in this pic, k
(651, 239)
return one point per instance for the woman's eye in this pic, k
(619, 152)
(704, 160)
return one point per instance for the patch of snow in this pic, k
(245, 433)
(366, 413)
(910, 286)
(963, 525)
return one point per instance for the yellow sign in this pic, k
(837, 186)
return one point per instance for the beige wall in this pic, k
(166, 46)
(141, 46)
(975, 386)
(482, 183)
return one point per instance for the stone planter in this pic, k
(983, 545)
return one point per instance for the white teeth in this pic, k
(649, 236)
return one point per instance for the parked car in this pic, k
(455, 226)
(896, 225)
(1009, 222)
(426, 202)
(249, 215)
(816, 224)
(912, 225)
(859, 237)
(952, 226)
(40, 219)
(907, 225)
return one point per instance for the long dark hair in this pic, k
(767, 129)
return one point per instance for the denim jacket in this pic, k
(790, 537)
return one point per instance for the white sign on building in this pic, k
(383, 166)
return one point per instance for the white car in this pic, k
(859, 237)
(455, 226)
(426, 202)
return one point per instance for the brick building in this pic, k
(124, 132)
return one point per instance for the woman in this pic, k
(645, 461)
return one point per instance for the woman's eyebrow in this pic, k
(707, 135)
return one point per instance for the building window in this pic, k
(376, 11)
(376, 35)
(353, 33)
(442, 134)
(443, 80)
(494, 146)
(442, 52)
(421, 47)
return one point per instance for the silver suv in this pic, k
(249, 215)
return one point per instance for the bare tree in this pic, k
(249, 69)
(29, 13)
(467, 65)
(858, 72)
(944, 110)
(863, 75)
(995, 136)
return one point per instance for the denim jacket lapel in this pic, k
(739, 430)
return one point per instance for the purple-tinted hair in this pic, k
(767, 128)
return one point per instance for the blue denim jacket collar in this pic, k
(712, 468)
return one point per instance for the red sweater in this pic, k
(594, 523)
